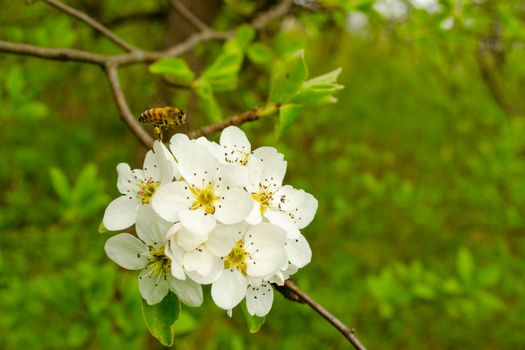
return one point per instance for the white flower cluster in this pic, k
(208, 213)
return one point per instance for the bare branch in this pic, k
(274, 13)
(52, 53)
(125, 113)
(334, 321)
(248, 116)
(189, 16)
(92, 23)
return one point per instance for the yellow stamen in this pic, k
(204, 198)
(264, 196)
(237, 258)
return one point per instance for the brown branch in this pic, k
(111, 63)
(189, 16)
(334, 321)
(56, 54)
(248, 116)
(125, 113)
(272, 14)
(92, 23)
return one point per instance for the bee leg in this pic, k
(157, 131)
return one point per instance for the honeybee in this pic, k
(163, 118)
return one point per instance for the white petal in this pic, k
(214, 274)
(254, 217)
(151, 228)
(268, 154)
(284, 221)
(305, 213)
(229, 290)
(265, 244)
(153, 288)
(151, 166)
(200, 260)
(189, 240)
(235, 206)
(288, 198)
(197, 221)
(170, 199)
(197, 165)
(126, 181)
(176, 254)
(298, 250)
(233, 175)
(224, 237)
(188, 292)
(120, 213)
(168, 167)
(259, 299)
(127, 251)
(235, 138)
(177, 143)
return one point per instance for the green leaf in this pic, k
(222, 74)
(319, 90)
(173, 67)
(288, 114)
(289, 78)
(465, 263)
(242, 38)
(328, 78)
(254, 323)
(86, 183)
(160, 318)
(207, 100)
(60, 183)
(261, 54)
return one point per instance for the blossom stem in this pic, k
(348, 333)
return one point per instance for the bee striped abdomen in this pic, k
(163, 118)
(152, 115)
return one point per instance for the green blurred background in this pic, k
(419, 170)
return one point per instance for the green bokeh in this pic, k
(419, 171)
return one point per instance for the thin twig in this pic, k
(58, 54)
(273, 13)
(189, 16)
(248, 116)
(92, 23)
(340, 326)
(125, 113)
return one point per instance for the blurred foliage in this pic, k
(419, 170)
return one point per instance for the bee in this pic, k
(163, 118)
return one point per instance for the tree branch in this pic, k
(135, 55)
(273, 13)
(58, 54)
(248, 116)
(334, 321)
(99, 27)
(189, 16)
(125, 113)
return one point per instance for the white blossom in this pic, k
(148, 253)
(203, 197)
(138, 187)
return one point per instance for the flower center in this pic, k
(264, 196)
(204, 198)
(147, 189)
(237, 258)
(239, 156)
(159, 263)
